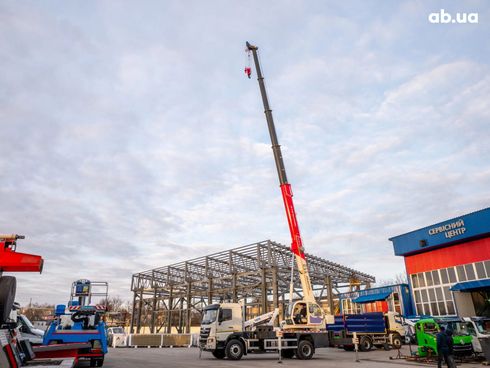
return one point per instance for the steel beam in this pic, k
(253, 271)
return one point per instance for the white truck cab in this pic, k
(219, 321)
(116, 337)
(478, 327)
(395, 323)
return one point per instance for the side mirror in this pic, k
(220, 316)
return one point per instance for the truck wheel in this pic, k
(397, 342)
(219, 354)
(234, 349)
(305, 350)
(287, 353)
(365, 344)
(7, 296)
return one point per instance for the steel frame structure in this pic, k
(257, 274)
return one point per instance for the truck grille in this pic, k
(463, 349)
(204, 332)
(203, 335)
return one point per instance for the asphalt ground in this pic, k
(189, 357)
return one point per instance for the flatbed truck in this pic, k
(371, 329)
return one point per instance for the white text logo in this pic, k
(445, 18)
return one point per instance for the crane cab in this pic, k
(307, 316)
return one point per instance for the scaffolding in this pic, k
(257, 274)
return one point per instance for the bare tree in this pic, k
(399, 278)
(38, 312)
(113, 303)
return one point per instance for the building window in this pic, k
(431, 289)
(450, 308)
(345, 306)
(470, 271)
(487, 266)
(435, 277)
(442, 308)
(396, 303)
(461, 273)
(447, 293)
(348, 307)
(425, 298)
(435, 310)
(357, 308)
(444, 277)
(428, 278)
(415, 281)
(452, 275)
(432, 294)
(480, 270)
(417, 296)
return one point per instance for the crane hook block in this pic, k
(248, 71)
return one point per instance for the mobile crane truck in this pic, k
(223, 330)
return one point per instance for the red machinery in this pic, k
(14, 351)
(13, 261)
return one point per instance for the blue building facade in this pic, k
(391, 298)
(448, 265)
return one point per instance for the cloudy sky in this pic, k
(132, 138)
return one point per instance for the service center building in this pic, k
(448, 266)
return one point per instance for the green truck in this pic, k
(426, 330)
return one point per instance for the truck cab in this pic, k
(395, 323)
(426, 330)
(305, 316)
(219, 322)
(477, 327)
(116, 336)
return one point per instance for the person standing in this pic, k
(450, 358)
(442, 347)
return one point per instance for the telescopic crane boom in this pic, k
(313, 311)
(286, 191)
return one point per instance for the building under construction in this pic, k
(257, 274)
